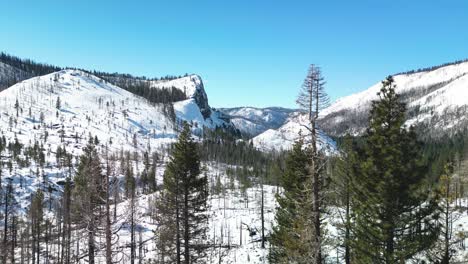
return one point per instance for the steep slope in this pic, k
(436, 98)
(252, 121)
(87, 105)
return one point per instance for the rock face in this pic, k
(192, 86)
(436, 98)
(201, 98)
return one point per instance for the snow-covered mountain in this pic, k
(89, 104)
(437, 98)
(284, 137)
(252, 121)
(59, 112)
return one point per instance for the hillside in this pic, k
(436, 98)
(46, 122)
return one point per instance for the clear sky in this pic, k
(247, 52)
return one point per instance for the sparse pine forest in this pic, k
(111, 168)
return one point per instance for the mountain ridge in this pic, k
(419, 90)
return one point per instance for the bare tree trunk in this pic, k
(186, 227)
(108, 222)
(177, 224)
(91, 246)
(132, 228)
(263, 217)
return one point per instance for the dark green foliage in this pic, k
(183, 205)
(225, 147)
(346, 169)
(393, 210)
(29, 69)
(286, 247)
(89, 194)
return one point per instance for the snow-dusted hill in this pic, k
(436, 98)
(89, 104)
(252, 121)
(86, 105)
(284, 137)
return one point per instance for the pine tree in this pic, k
(58, 103)
(446, 248)
(394, 209)
(17, 107)
(66, 233)
(346, 169)
(9, 204)
(89, 195)
(36, 213)
(286, 247)
(183, 205)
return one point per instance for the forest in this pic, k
(388, 195)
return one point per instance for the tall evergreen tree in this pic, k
(394, 209)
(89, 195)
(183, 205)
(346, 167)
(286, 243)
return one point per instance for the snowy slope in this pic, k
(88, 105)
(190, 84)
(252, 121)
(436, 98)
(284, 137)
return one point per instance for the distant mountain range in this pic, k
(437, 100)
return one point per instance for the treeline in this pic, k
(153, 95)
(248, 163)
(28, 65)
(119, 77)
(134, 84)
(432, 68)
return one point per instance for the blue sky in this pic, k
(248, 52)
